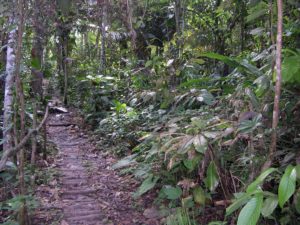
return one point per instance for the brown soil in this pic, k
(87, 191)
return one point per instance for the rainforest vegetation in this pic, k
(175, 112)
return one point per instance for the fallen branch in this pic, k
(12, 151)
(61, 124)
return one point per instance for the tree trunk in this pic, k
(275, 120)
(9, 88)
(103, 38)
(133, 34)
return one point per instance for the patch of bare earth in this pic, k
(88, 191)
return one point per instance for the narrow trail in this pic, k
(90, 193)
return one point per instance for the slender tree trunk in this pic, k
(33, 139)
(97, 54)
(179, 17)
(271, 23)
(275, 120)
(133, 34)
(9, 88)
(23, 216)
(65, 99)
(103, 38)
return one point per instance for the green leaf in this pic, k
(269, 206)
(172, 193)
(250, 68)
(200, 143)
(191, 164)
(250, 213)
(212, 178)
(127, 161)
(253, 98)
(188, 202)
(253, 186)
(248, 126)
(148, 63)
(229, 61)
(291, 69)
(147, 185)
(287, 185)
(206, 97)
(199, 195)
(239, 202)
(257, 11)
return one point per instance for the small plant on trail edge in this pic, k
(257, 202)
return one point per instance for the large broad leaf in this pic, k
(287, 185)
(291, 69)
(212, 177)
(244, 65)
(172, 193)
(253, 186)
(269, 206)
(147, 185)
(239, 202)
(250, 213)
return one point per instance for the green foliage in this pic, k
(258, 201)
(291, 67)
(212, 179)
(147, 185)
(250, 213)
(287, 185)
(172, 193)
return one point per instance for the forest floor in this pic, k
(86, 191)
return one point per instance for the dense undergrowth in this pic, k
(181, 91)
(201, 148)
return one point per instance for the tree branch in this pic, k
(12, 151)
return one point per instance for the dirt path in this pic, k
(90, 192)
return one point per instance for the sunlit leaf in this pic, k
(254, 185)
(250, 213)
(287, 185)
(200, 143)
(269, 206)
(239, 202)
